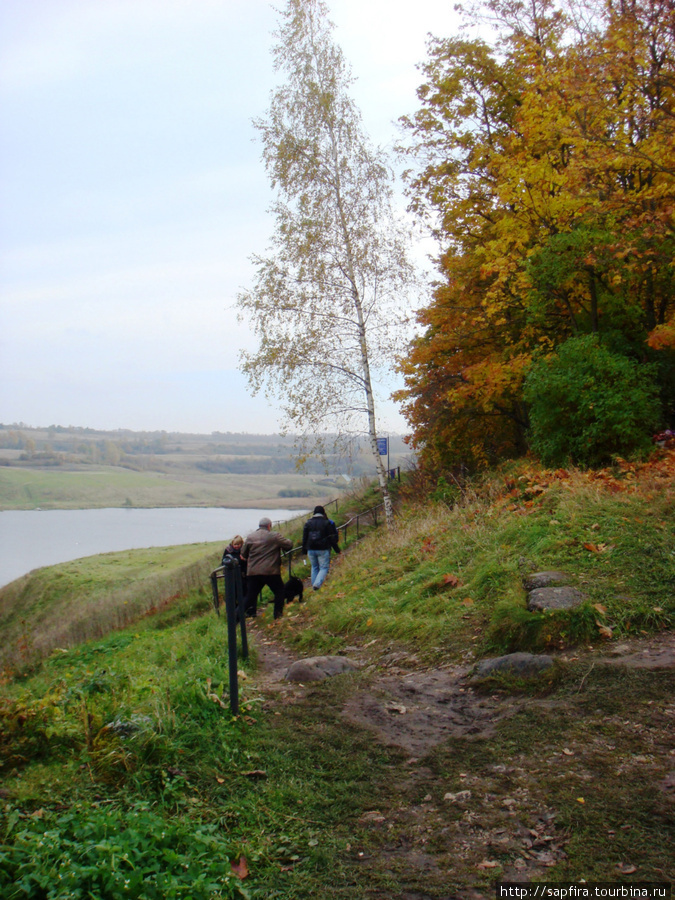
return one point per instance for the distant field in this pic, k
(110, 486)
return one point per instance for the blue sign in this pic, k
(383, 446)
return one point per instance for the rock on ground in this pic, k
(513, 664)
(554, 598)
(543, 579)
(316, 668)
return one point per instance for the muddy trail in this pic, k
(491, 783)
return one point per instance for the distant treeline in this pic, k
(238, 454)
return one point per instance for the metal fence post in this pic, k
(214, 591)
(234, 608)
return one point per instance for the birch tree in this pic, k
(330, 294)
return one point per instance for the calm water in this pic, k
(33, 538)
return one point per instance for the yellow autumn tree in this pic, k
(545, 164)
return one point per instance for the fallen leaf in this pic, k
(452, 580)
(467, 601)
(216, 699)
(600, 608)
(220, 780)
(240, 869)
(369, 623)
(580, 800)
(626, 868)
(459, 797)
(605, 632)
(488, 864)
(592, 548)
(568, 752)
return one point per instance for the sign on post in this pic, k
(383, 446)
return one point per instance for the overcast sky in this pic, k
(133, 195)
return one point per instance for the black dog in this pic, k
(292, 589)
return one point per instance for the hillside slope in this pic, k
(124, 773)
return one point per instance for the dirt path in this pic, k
(462, 811)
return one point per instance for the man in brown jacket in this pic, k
(262, 551)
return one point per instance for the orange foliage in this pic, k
(550, 164)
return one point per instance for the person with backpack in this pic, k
(319, 537)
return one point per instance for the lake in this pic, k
(33, 538)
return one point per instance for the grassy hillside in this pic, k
(448, 580)
(124, 774)
(65, 605)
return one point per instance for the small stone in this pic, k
(525, 664)
(543, 579)
(545, 598)
(317, 668)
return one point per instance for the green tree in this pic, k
(588, 404)
(329, 296)
(546, 163)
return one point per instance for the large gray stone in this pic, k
(554, 598)
(513, 664)
(543, 579)
(316, 668)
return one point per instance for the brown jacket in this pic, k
(263, 549)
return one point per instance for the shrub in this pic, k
(115, 853)
(588, 404)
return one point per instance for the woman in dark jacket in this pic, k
(319, 537)
(234, 549)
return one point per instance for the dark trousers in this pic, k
(255, 584)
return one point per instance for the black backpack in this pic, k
(317, 534)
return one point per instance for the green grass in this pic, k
(292, 787)
(183, 770)
(450, 579)
(117, 749)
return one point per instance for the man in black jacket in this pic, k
(318, 537)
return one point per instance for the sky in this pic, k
(133, 195)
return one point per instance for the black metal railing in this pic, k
(235, 609)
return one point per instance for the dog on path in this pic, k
(292, 589)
